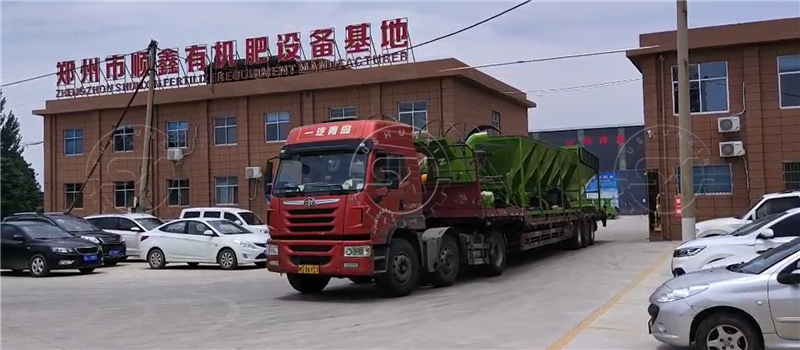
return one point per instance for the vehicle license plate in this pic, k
(114, 253)
(90, 258)
(308, 269)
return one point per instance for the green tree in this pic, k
(19, 190)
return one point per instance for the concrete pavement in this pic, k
(594, 298)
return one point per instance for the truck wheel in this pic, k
(584, 230)
(590, 226)
(576, 242)
(402, 272)
(497, 255)
(360, 280)
(448, 264)
(308, 284)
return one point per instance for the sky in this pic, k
(36, 35)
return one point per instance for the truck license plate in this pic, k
(308, 269)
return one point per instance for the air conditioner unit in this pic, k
(253, 172)
(728, 124)
(731, 149)
(175, 154)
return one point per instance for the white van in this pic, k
(242, 217)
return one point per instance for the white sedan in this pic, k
(195, 241)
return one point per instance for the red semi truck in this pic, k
(376, 202)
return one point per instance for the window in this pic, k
(178, 227)
(73, 142)
(495, 122)
(73, 193)
(789, 81)
(414, 114)
(777, 205)
(123, 139)
(197, 228)
(191, 214)
(231, 217)
(277, 126)
(127, 225)
(177, 134)
(105, 223)
(389, 168)
(787, 227)
(791, 175)
(123, 194)
(343, 112)
(708, 87)
(178, 192)
(212, 214)
(227, 190)
(710, 179)
(225, 131)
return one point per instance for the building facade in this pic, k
(621, 152)
(224, 128)
(750, 72)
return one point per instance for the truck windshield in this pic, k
(333, 172)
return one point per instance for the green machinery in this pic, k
(515, 170)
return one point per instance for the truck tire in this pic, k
(402, 270)
(576, 242)
(498, 252)
(591, 226)
(308, 284)
(448, 264)
(585, 231)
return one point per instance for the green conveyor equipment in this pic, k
(514, 170)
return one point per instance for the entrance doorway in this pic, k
(654, 201)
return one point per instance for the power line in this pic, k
(577, 87)
(109, 58)
(543, 59)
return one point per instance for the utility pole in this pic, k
(142, 203)
(685, 125)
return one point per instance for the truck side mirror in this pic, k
(268, 173)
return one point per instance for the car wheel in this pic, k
(729, 332)
(193, 265)
(227, 259)
(87, 270)
(261, 264)
(156, 259)
(38, 266)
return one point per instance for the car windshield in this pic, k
(771, 257)
(73, 224)
(150, 223)
(227, 227)
(314, 173)
(755, 225)
(741, 216)
(44, 231)
(251, 218)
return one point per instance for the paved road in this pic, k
(538, 302)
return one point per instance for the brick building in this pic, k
(226, 127)
(750, 71)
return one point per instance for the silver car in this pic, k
(748, 306)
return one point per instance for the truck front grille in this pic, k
(313, 220)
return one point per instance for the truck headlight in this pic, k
(361, 251)
(61, 250)
(681, 293)
(688, 251)
(272, 250)
(91, 239)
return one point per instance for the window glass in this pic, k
(177, 227)
(197, 228)
(191, 214)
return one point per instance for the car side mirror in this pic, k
(19, 238)
(135, 229)
(238, 222)
(767, 234)
(792, 277)
(208, 233)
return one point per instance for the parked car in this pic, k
(756, 237)
(41, 248)
(242, 217)
(113, 247)
(752, 306)
(768, 204)
(196, 241)
(733, 260)
(128, 225)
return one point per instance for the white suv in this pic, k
(243, 217)
(130, 226)
(768, 204)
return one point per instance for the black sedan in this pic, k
(41, 248)
(114, 249)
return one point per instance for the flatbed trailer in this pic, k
(464, 205)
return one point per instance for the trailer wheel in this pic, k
(591, 226)
(308, 284)
(448, 264)
(402, 270)
(497, 255)
(576, 242)
(585, 230)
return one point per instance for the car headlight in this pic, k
(361, 251)
(681, 293)
(247, 244)
(61, 250)
(272, 249)
(688, 251)
(91, 239)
